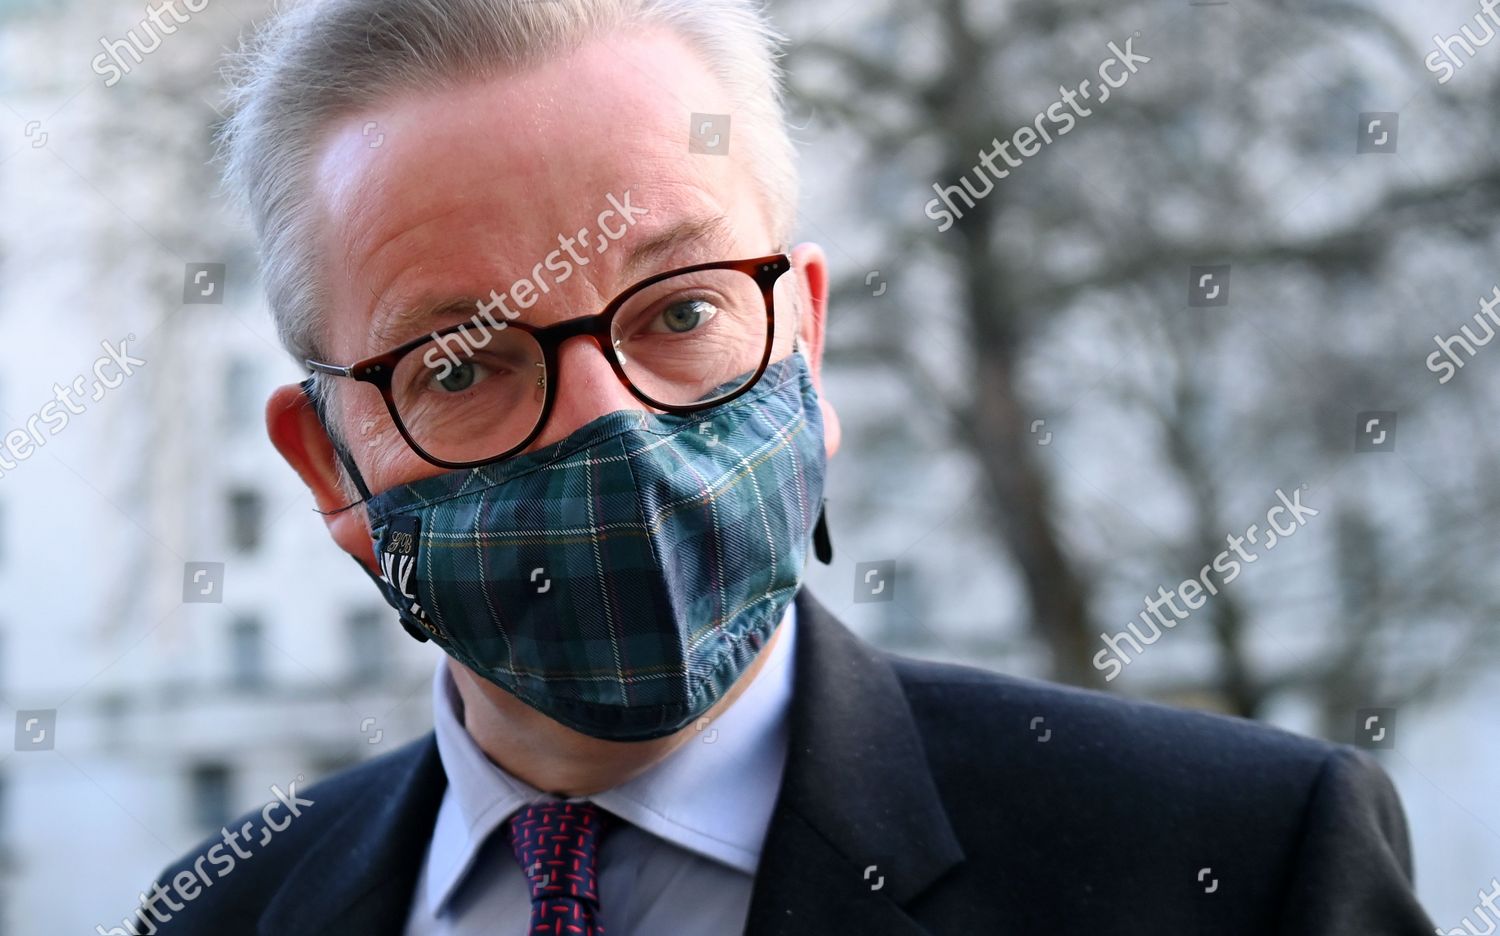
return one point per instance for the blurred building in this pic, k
(177, 703)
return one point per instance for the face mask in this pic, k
(619, 581)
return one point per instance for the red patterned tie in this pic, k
(557, 844)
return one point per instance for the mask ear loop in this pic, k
(822, 542)
(347, 460)
(344, 456)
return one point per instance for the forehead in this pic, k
(456, 192)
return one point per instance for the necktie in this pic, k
(557, 845)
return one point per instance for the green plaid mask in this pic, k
(621, 580)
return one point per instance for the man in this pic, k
(566, 410)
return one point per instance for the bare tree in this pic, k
(1235, 144)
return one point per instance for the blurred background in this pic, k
(1049, 411)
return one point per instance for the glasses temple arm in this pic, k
(345, 457)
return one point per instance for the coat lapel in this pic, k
(857, 834)
(360, 875)
(859, 830)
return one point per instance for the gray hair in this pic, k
(317, 61)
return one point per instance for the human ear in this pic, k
(810, 268)
(299, 436)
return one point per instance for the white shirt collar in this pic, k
(713, 796)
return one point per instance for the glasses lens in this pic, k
(472, 394)
(694, 337)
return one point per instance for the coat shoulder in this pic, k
(232, 872)
(1107, 802)
(978, 716)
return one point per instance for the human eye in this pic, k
(443, 376)
(681, 315)
(457, 378)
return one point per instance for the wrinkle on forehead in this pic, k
(430, 202)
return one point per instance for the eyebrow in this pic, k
(401, 325)
(713, 229)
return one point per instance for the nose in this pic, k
(586, 388)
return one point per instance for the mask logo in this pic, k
(397, 571)
(398, 563)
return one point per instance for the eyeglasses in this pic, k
(481, 391)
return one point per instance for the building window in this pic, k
(246, 519)
(247, 653)
(369, 656)
(113, 713)
(241, 406)
(210, 795)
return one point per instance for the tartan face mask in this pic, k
(621, 580)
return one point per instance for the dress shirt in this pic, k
(681, 861)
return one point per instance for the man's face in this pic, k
(437, 196)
